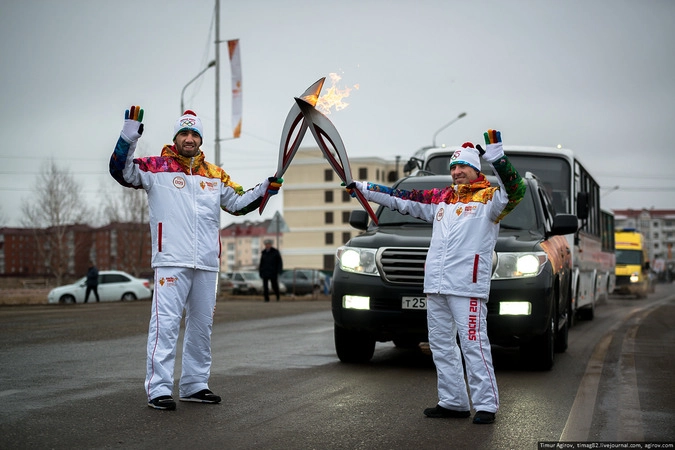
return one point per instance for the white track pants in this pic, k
(449, 316)
(178, 289)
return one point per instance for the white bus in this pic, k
(573, 191)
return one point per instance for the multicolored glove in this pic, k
(133, 128)
(493, 146)
(274, 185)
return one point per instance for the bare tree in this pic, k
(129, 211)
(56, 206)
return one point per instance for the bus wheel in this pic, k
(588, 312)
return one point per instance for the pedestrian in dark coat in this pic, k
(270, 267)
(92, 283)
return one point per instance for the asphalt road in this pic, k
(71, 376)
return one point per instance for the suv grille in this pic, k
(402, 265)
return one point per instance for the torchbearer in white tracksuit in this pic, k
(185, 196)
(465, 218)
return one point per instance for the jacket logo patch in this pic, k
(470, 209)
(459, 210)
(440, 214)
(179, 182)
(208, 185)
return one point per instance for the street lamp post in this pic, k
(182, 107)
(446, 126)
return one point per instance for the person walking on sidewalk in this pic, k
(270, 268)
(185, 197)
(458, 269)
(92, 283)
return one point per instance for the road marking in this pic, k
(580, 418)
(578, 424)
(630, 417)
(7, 392)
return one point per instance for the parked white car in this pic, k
(113, 285)
(249, 282)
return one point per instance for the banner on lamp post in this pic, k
(235, 69)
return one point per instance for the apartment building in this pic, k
(316, 207)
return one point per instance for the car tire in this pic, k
(561, 338)
(128, 296)
(353, 346)
(406, 343)
(67, 299)
(539, 353)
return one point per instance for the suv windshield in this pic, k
(521, 218)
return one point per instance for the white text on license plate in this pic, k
(414, 303)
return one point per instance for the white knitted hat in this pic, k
(466, 155)
(188, 121)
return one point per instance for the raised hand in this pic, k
(133, 126)
(493, 146)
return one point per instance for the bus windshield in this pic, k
(554, 172)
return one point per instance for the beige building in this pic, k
(316, 207)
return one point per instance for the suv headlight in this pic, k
(519, 264)
(357, 260)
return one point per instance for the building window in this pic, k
(328, 217)
(328, 175)
(329, 262)
(328, 239)
(328, 196)
(345, 196)
(346, 235)
(345, 216)
(363, 173)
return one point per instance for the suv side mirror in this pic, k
(564, 224)
(359, 219)
(582, 205)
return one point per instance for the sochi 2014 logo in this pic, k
(179, 182)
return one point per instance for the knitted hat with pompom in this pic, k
(188, 121)
(466, 155)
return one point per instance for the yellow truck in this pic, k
(632, 263)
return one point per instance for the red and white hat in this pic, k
(188, 121)
(466, 155)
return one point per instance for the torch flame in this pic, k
(332, 98)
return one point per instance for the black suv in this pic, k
(378, 279)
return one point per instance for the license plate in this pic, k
(414, 303)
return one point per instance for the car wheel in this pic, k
(67, 299)
(561, 335)
(540, 351)
(353, 346)
(561, 338)
(406, 343)
(128, 296)
(571, 310)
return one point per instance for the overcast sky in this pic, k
(595, 76)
